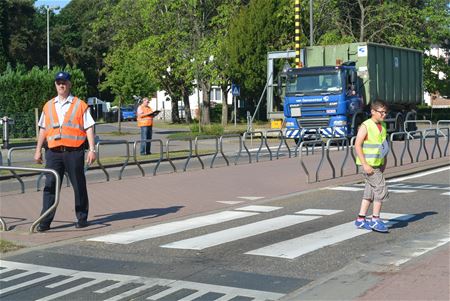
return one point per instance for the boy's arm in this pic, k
(360, 137)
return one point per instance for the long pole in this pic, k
(235, 110)
(311, 34)
(48, 38)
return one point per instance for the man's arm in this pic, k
(359, 141)
(40, 142)
(91, 156)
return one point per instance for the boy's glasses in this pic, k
(381, 112)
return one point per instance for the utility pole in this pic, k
(297, 33)
(48, 33)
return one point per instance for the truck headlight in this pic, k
(290, 124)
(340, 123)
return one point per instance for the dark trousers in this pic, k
(146, 134)
(71, 162)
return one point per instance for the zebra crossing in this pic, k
(289, 249)
(59, 283)
(395, 187)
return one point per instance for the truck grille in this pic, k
(313, 104)
(314, 122)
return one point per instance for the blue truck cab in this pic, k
(323, 100)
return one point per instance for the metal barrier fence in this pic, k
(314, 142)
(216, 151)
(136, 161)
(113, 142)
(238, 155)
(57, 193)
(189, 156)
(261, 136)
(431, 136)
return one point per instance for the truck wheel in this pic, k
(296, 140)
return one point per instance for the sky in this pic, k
(60, 3)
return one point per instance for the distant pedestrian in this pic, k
(65, 124)
(145, 122)
(371, 148)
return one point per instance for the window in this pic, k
(216, 94)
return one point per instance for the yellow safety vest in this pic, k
(373, 145)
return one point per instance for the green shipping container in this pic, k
(393, 74)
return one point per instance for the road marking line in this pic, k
(299, 246)
(446, 193)
(345, 188)
(401, 190)
(17, 276)
(230, 202)
(319, 211)
(25, 284)
(171, 227)
(418, 175)
(147, 285)
(144, 282)
(236, 233)
(62, 282)
(250, 198)
(72, 290)
(258, 208)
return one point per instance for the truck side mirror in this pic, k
(353, 78)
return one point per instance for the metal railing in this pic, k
(260, 135)
(216, 151)
(57, 193)
(136, 161)
(238, 155)
(189, 156)
(112, 142)
(322, 145)
(345, 144)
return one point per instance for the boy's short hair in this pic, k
(378, 103)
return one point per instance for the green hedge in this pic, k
(427, 113)
(21, 91)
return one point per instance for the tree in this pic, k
(255, 31)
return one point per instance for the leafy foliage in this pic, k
(22, 91)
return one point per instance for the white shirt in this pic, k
(62, 107)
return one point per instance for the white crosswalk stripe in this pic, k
(299, 246)
(169, 286)
(233, 234)
(172, 227)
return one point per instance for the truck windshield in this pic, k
(314, 83)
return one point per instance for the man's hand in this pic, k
(368, 169)
(91, 156)
(38, 156)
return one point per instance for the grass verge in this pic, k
(7, 246)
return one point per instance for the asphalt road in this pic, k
(280, 248)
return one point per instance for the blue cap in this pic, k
(62, 75)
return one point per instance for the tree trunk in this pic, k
(206, 103)
(224, 90)
(175, 113)
(187, 106)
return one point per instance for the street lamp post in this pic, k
(48, 33)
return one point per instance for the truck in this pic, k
(331, 94)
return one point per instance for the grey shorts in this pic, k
(375, 189)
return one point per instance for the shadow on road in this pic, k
(403, 222)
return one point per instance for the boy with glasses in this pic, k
(371, 148)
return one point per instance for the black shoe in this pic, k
(81, 224)
(42, 228)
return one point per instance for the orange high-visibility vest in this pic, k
(146, 120)
(71, 132)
